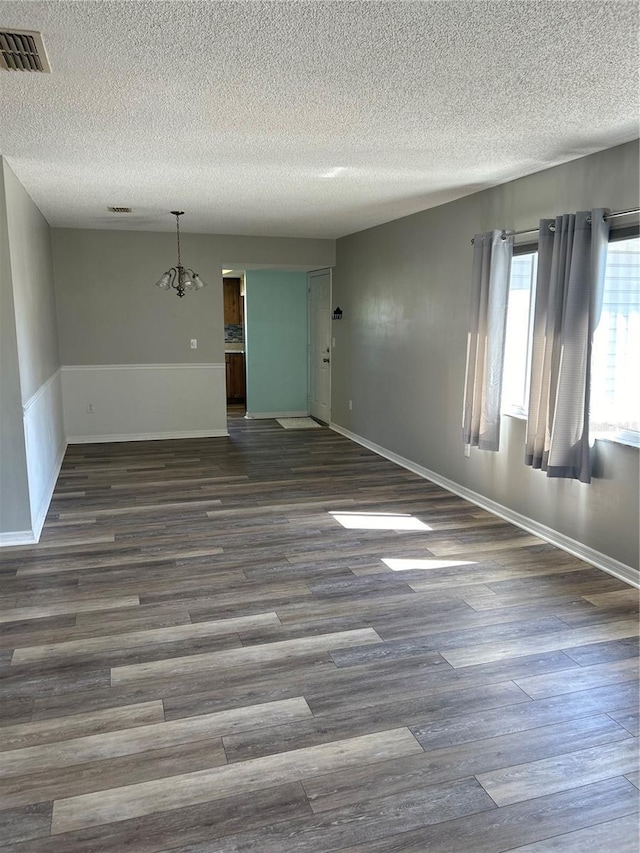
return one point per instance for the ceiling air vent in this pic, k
(119, 209)
(23, 50)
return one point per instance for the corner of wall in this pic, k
(32, 428)
(15, 520)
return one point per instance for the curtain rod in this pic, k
(508, 233)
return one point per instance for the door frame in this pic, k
(310, 276)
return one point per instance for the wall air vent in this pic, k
(23, 50)
(119, 209)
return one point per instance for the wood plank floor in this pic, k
(280, 642)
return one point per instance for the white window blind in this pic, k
(515, 377)
(615, 364)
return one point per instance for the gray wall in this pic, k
(34, 300)
(109, 311)
(401, 347)
(14, 494)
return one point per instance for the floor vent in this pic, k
(23, 50)
(119, 209)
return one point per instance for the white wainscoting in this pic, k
(134, 402)
(45, 446)
(596, 558)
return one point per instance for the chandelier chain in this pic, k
(178, 236)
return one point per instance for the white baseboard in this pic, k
(38, 524)
(149, 436)
(566, 543)
(17, 537)
(264, 415)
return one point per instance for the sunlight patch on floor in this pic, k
(379, 521)
(407, 565)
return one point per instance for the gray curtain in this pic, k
(492, 254)
(572, 252)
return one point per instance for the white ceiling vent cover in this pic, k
(119, 209)
(23, 50)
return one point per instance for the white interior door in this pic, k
(320, 344)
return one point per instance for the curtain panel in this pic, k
(572, 253)
(492, 253)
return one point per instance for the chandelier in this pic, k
(179, 278)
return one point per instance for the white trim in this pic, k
(311, 275)
(17, 537)
(572, 546)
(264, 415)
(626, 437)
(181, 366)
(148, 436)
(38, 523)
(35, 396)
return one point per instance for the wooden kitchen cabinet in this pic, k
(233, 309)
(234, 363)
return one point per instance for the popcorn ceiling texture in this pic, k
(306, 118)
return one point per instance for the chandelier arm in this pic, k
(172, 277)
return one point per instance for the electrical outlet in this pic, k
(350, 406)
(194, 343)
(467, 450)
(90, 409)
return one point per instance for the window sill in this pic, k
(617, 438)
(627, 438)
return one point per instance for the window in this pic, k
(615, 364)
(515, 374)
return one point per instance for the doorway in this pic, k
(234, 341)
(319, 302)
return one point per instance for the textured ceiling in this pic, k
(307, 118)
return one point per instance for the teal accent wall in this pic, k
(276, 341)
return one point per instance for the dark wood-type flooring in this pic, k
(208, 652)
